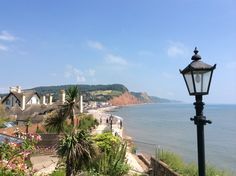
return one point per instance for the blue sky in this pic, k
(141, 44)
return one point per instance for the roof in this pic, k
(35, 112)
(4, 138)
(28, 95)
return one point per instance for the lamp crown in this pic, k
(196, 56)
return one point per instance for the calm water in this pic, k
(168, 126)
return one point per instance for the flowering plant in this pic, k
(14, 158)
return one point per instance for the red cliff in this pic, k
(124, 99)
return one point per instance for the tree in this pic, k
(56, 120)
(72, 99)
(78, 150)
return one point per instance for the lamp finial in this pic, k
(196, 57)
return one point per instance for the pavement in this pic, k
(44, 164)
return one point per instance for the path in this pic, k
(44, 164)
(102, 116)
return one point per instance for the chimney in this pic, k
(50, 99)
(63, 96)
(23, 102)
(18, 89)
(81, 104)
(44, 100)
(15, 89)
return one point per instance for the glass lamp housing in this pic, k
(197, 76)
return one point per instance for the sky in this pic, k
(139, 43)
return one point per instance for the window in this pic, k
(7, 102)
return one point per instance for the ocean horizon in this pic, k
(167, 126)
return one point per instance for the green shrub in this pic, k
(112, 162)
(59, 172)
(87, 122)
(106, 141)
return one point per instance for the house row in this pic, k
(28, 104)
(22, 98)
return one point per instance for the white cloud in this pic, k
(114, 59)
(95, 45)
(176, 49)
(6, 36)
(3, 48)
(109, 57)
(91, 72)
(74, 72)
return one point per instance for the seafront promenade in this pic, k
(103, 115)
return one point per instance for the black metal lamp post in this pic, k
(111, 119)
(197, 76)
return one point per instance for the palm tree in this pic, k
(78, 150)
(56, 120)
(72, 99)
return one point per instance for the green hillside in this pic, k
(90, 92)
(98, 93)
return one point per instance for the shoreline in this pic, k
(102, 114)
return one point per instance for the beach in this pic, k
(102, 115)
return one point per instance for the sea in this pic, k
(168, 127)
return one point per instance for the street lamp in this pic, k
(111, 119)
(197, 76)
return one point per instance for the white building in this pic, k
(22, 98)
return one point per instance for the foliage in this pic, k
(55, 122)
(176, 163)
(106, 141)
(3, 120)
(59, 172)
(72, 98)
(14, 158)
(87, 121)
(77, 149)
(112, 162)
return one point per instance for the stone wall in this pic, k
(161, 169)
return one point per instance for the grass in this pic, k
(59, 172)
(106, 92)
(177, 164)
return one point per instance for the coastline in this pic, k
(102, 114)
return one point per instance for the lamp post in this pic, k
(197, 76)
(111, 118)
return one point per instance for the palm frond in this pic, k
(72, 94)
(55, 122)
